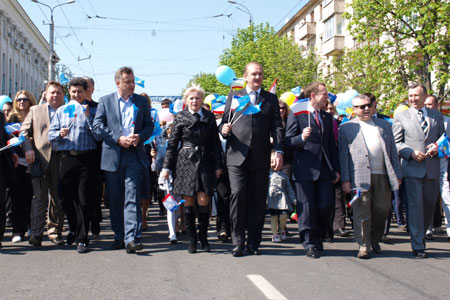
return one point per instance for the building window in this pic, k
(334, 26)
(3, 74)
(16, 86)
(329, 28)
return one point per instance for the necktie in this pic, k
(254, 97)
(422, 121)
(316, 117)
(197, 117)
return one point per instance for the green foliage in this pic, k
(280, 57)
(413, 36)
(67, 72)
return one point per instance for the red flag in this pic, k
(273, 87)
(300, 107)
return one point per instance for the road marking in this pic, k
(266, 288)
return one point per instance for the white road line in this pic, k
(264, 286)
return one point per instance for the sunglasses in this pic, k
(282, 107)
(22, 99)
(364, 106)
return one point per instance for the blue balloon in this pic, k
(225, 75)
(340, 111)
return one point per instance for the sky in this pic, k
(165, 42)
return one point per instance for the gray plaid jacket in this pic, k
(354, 158)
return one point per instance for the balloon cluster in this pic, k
(344, 101)
(226, 75)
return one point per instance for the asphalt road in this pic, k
(165, 271)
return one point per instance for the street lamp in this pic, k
(247, 11)
(52, 59)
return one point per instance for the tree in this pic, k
(61, 68)
(413, 36)
(281, 58)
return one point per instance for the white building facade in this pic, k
(24, 52)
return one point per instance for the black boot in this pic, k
(203, 223)
(189, 223)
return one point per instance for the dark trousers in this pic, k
(249, 188)
(223, 203)
(400, 205)
(21, 195)
(339, 208)
(2, 206)
(315, 205)
(74, 174)
(95, 193)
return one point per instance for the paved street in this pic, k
(164, 271)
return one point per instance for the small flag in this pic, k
(300, 107)
(332, 97)
(238, 84)
(73, 109)
(177, 106)
(15, 141)
(63, 79)
(273, 88)
(296, 91)
(139, 82)
(170, 203)
(218, 105)
(13, 128)
(356, 197)
(391, 121)
(252, 109)
(154, 114)
(443, 146)
(242, 102)
(157, 131)
(237, 100)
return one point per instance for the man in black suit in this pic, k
(8, 158)
(315, 168)
(248, 159)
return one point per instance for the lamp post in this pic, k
(52, 59)
(247, 11)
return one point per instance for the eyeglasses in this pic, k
(282, 107)
(364, 106)
(22, 99)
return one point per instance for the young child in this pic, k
(279, 203)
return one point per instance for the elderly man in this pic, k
(315, 168)
(124, 123)
(369, 163)
(415, 131)
(41, 155)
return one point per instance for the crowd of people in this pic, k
(305, 163)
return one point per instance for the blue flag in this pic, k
(443, 146)
(70, 109)
(252, 109)
(63, 79)
(332, 97)
(242, 102)
(139, 81)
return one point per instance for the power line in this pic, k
(302, 3)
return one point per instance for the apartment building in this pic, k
(24, 51)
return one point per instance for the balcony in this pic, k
(307, 30)
(333, 7)
(333, 46)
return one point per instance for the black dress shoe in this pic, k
(419, 254)
(376, 248)
(206, 247)
(251, 250)
(116, 245)
(36, 241)
(134, 246)
(429, 236)
(312, 253)
(192, 248)
(82, 248)
(237, 251)
(341, 232)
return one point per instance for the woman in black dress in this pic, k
(194, 157)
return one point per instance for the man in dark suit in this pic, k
(123, 122)
(248, 159)
(8, 158)
(415, 131)
(315, 168)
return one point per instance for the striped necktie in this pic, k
(422, 121)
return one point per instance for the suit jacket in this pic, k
(320, 145)
(354, 158)
(108, 125)
(254, 131)
(409, 136)
(35, 128)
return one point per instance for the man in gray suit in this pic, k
(369, 162)
(123, 121)
(415, 131)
